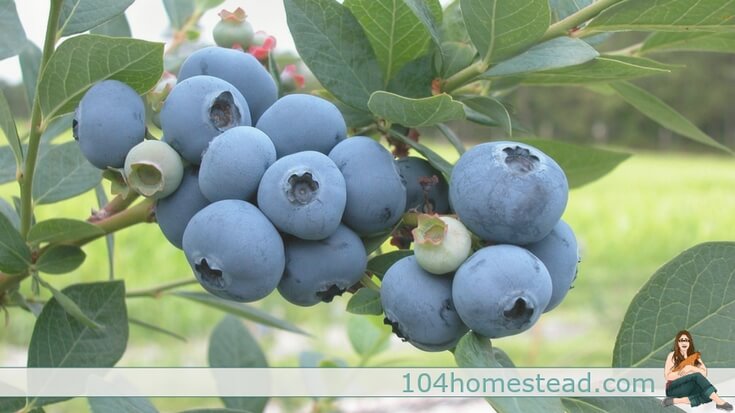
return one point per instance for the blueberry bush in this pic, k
(269, 188)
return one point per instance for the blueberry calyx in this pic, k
(211, 276)
(146, 178)
(223, 113)
(395, 328)
(518, 312)
(75, 129)
(520, 159)
(302, 189)
(328, 294)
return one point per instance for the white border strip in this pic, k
(342, 382)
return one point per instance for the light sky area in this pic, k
(148, 21)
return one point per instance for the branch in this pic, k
(156, 292)
(141, 212)
(26, 181)
(568, 24)
(117, 205)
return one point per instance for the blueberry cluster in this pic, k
(264, 193)
(261, 193)
(511, 197)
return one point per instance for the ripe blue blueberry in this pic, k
(418, 305)
(558, 251)
(304, 195)
(234, 162)
(198, 109)
(419, 174)
(376, 196)
(316, 271)
(175, 211)
(301, 122)
(501, 290)
(108, 122)
(508, 192)
(242, 70)
(234, 250)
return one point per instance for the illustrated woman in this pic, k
(686, 376)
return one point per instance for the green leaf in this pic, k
(616, 405)
(118, 26)
(13, 404)
(434, 158)
(366, 337)
(429, 12)
(415, 78)
(453, 28)
(564, 8)
(8, 211)
(62, 173)
(82, 61)
(15, 256)
(60, 259)
(379, 264)
(7, 165)
(561, 9)
(57, 127)
(178, 11)
(78, 16)
(474, 351)
(30, 62)
(7, 125)
(121, 404)
(502, 358)
(452, 137)
(240, 310)
(231, 345)
(581, 164)
(354, 118)
(690, 292)
(394, 31)
(13, 36)
(156, 329)
(215, 411)
(667, 15)
(365, 301)
(552, 54)
(689, 42)
(60, 230)
(414, 113)
(602, 69)
(61, 341)
(664, 114)
(70, 306)
(493, 109)
(500, 29)
(455, 57)
(334, 47)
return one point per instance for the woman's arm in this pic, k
(669, 366)
(702, 368)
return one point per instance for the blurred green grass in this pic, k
(628, 224)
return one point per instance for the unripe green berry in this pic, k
(441, 244)
(233, 30)
(153, 169)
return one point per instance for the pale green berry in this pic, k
(441, 244)
(153, 169)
